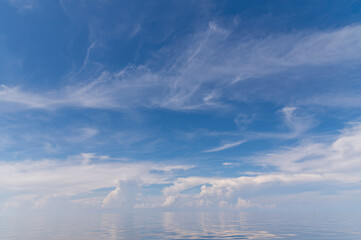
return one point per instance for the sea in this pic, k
(183, 225)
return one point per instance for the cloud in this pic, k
(79, 175)
(169, 201)
(225, 146)
(23, 5)
(297, 124)
(335, 163)
(227, 164)
(83, 134)
(242, 203)
(338, 159)
(202, 74)
(288, 112)
(111, 197)
(16, 96)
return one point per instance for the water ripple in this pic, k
(176, 225)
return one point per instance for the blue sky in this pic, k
(180, 105)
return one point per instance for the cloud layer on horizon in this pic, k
(75, 180)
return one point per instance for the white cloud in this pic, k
(339, 159)
(17, 96)
(47, 179)
(227, 164)
(288, 112)
(111, 197)
(242, 203)
(297, 124)
(336, 163)
(169, 201)
(225, 146)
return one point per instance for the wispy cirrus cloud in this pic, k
(200, 76)
(83, 134)
(23, 5)
(296, 125)
(225, 146)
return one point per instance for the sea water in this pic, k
(182, 225)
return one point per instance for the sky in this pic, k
(180, 105)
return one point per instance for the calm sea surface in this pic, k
(175, 225)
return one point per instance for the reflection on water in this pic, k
(207, 225)
(176, 225)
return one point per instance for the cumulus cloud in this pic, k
(335, 162)
(111, 197)
(330, 162)
(123, 196)
(79, 175)
(169, 201)
(338, 159)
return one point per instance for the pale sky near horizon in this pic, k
(246, 105)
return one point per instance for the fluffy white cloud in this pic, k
(78, 175)
(335, 162)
